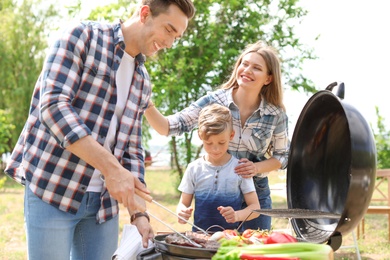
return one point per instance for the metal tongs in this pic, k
(150, 199)
(298, 213)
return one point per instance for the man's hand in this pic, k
(145, 230)
(122, 185)
(120, 182)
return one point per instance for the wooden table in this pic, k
(381, 175)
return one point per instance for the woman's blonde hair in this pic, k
(213, 120)
(273, 92)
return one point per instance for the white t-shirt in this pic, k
(123, 79)
(214, 186)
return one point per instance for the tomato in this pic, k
(261, 234)
(248, 233)
(278, 237)
(230, 233)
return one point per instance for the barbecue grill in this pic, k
(331, 173)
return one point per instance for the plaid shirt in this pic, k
(266, 127)
(75, 96)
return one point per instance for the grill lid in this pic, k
(331, 168)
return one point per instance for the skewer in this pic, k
(149, 198)
(174, 230)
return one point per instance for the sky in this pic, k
(353, 48)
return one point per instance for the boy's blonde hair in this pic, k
(213, 120)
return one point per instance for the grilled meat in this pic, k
(199, 238)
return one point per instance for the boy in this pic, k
(211, 180)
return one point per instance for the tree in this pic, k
(204, 57)
(23, 32)
(197, 63)
(6, 129)
(382, 140)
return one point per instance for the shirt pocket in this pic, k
(95, 94)
(96, 73)
(260, 139)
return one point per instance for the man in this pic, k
(80, 151)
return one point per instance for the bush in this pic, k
(6, 128)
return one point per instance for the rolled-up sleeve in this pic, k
(60, 83)
(187, 119)
(281, 142)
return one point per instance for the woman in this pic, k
(254, 95)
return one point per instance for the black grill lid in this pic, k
(332, 166)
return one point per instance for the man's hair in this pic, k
(161, 6)
(213, 120)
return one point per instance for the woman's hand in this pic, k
(228, 213)
(246, 168)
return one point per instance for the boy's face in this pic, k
(216, 146)
(161, 31)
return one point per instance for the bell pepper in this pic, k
(302, 251)
(262, 257)
(278, 238)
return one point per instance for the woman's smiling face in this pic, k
(253, 72)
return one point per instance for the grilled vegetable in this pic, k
(217, 236)
(248, 233)
(278, 237)
(229, 233)
(256, 257)
(260, 234)
(303, 251)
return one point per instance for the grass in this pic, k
(162, 184)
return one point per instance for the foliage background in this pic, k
(199, 62)
(203, 59)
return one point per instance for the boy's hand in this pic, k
(228, 213)
(185, 213)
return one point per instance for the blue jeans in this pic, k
(264, 195)
(54, 234)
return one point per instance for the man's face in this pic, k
(161, 31)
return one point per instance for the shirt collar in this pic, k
(118, 35)
(265, 108)
(119, 39)
(229, 95)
